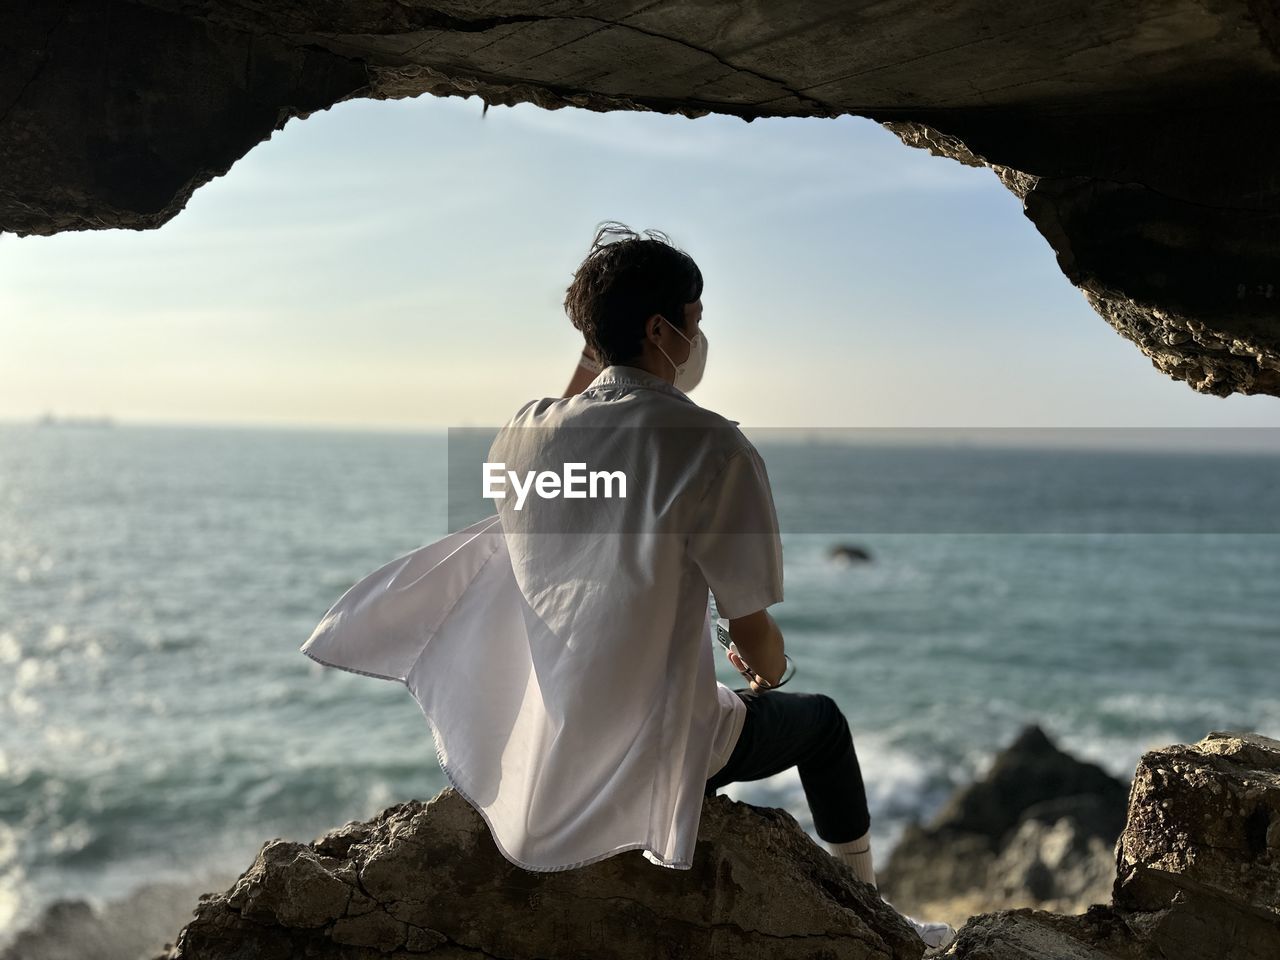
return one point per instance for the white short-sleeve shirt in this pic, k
(562, 653)
(624, 595)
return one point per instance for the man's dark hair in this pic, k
(624, 280)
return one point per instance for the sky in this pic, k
(402, 265)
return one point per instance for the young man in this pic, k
(633, 728)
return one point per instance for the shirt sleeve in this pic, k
(736, 543)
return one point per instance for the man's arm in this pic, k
(758, 639)
(738, 548)
(583, 374)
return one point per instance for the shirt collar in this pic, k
(634, 376)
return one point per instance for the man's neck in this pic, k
(651, 367)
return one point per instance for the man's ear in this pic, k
(652, 327)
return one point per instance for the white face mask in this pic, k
(689, 373)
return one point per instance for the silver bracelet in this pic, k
(588, 362)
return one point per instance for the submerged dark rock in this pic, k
(849, 553)
(1140, 139)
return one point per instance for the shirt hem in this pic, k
(453, 782)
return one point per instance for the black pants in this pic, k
(806, 731)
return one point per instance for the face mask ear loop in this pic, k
(669, 360)
(674, 366)
(677, 330)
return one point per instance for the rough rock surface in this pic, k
(1198, 879)
(1039, 830)
(427, 878)
(1198, 868)
(1140, 138)
(1199, 861)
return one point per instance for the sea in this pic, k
(157, 718)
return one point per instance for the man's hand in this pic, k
(741, 666)
(757, 641)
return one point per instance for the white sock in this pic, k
(857, 854)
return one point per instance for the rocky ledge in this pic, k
(1197, 875)
(427, 878)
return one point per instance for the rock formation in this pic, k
(426, 878)
(1198, 879)
(849, 553)
(1198, 868)
(1039, 830)
(1140, 138)
(1199, 860)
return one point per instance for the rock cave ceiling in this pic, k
(1140, 136)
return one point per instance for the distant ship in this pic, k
(49, 420)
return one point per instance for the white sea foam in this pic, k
(12, 880)
(10, 648)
